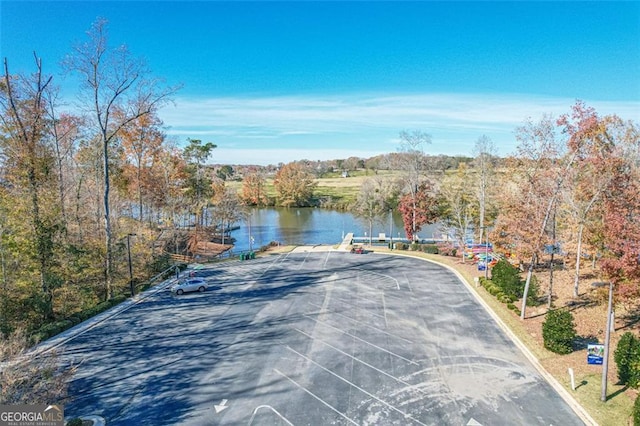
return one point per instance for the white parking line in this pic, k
(384, 311)
(362, 340)
(356, 359)
(379, 330)
(382, 275)
(408, 282)
(417, 387)
(369, 394)
(279, 259)
(315, 396)
(356, 306)
(304, 260)
(326, 259)
(260, 407)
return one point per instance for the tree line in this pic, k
(80, 189)
(81, 185)
(571, 188)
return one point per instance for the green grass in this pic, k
(614, 412)
(341, 191)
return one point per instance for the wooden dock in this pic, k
(346, 242)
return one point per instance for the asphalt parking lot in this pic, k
(310, 338)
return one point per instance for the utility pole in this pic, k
(130, 266)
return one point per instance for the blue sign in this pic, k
(595, 354)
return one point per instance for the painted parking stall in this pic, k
(313, 337)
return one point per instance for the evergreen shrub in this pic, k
(627, 358)
(534, 291)
(447, 250)
(559, 331)
(507, 277)
(430, 248)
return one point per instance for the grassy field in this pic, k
(344, 191)
(339, 190)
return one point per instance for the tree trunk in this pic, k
(78, 197)
(63, 214)
(553, 251)
(4, 297)
(576, 278)
(526, 286)
(139, 195)
(550, 297)
(482, 207)
(413, 225)
(107, 218)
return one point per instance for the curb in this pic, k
(81, 328)
(564, 394)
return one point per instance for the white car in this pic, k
(192, 284)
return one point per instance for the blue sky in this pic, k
(272, 82)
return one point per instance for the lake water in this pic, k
(309, 226)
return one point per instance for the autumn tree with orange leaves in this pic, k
(530, 198)
(254, 191)
(294, 185)
(418, 208)
(590, 142)
(28, 163)
(140, 141)
(621, 212)
(581, 169)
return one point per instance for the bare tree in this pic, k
(372, 204)
(65, 131)
(457, 204)
(112, 79)
(228, 210)
(484, 151)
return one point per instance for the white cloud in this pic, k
(305, 125)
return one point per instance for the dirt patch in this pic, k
(210, 249)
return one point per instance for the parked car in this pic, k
(192, 284)
(358, 250)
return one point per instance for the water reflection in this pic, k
(309, 226)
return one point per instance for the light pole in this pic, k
(250, 237)
(390, 229)
(605, 361)
(486, 252)
(130, 267)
